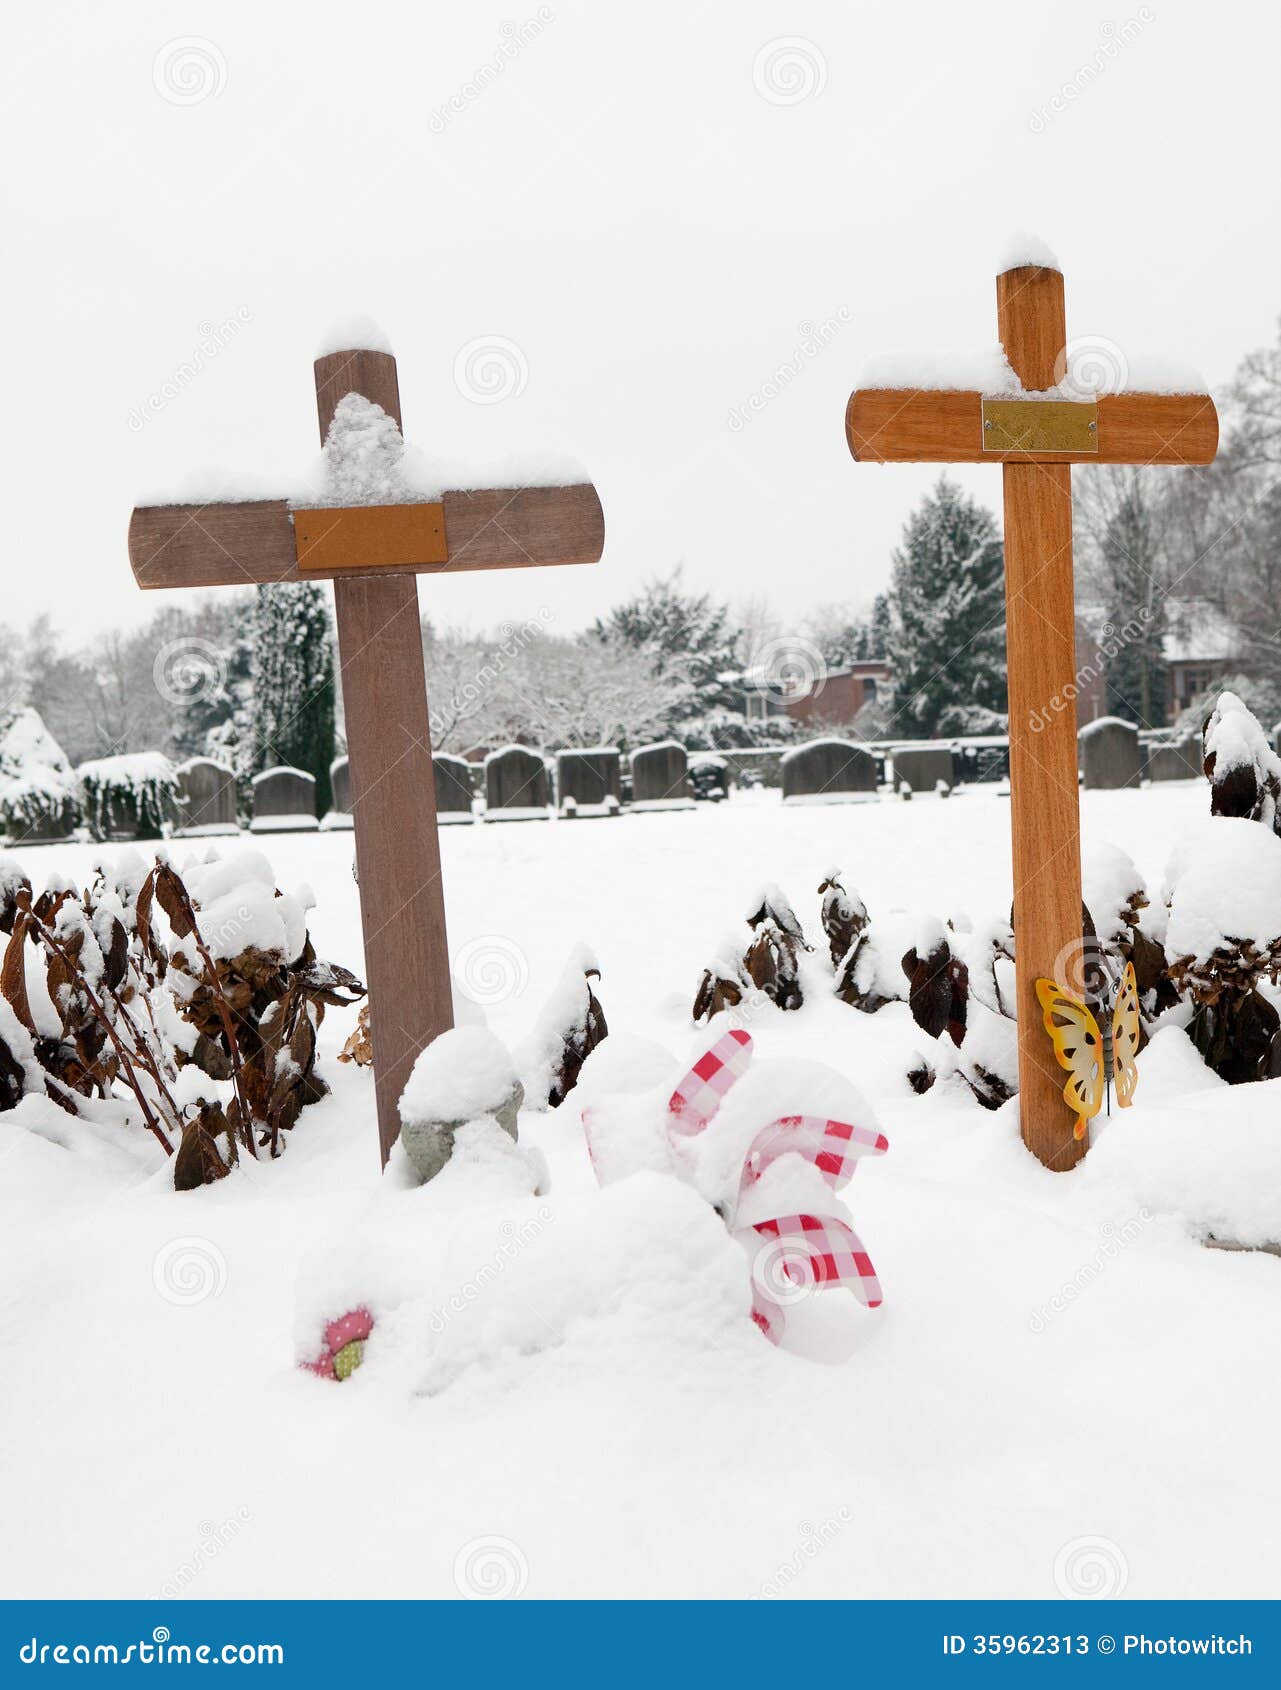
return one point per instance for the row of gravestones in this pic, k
(519, 782)
(1112, 756)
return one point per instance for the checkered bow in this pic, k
(801, 1252)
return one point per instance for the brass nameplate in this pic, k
(1040, 425)
(370, 537)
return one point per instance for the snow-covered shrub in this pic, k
(1223, 941)
(1243, 770)
(762, 959)
(843, 917)
(129, 797)
(571, 1026)
(201, 1007)
(39, 793)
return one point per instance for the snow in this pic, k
(238, 904)
(35, 774)
(1223, 882)
(462, 1074)
(282, 769)
(356, 333)
(133, 770)
(1089, 729)
(1023, 249)
(541, 1363)
(985, 370)
(1236, 740)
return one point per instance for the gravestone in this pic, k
(1179, 761)
(207, 797)
(339, 818)
(1110, 755)
(923, 766)
(589, 781)
(284, 801)
(828, 769)
(516, 784)
(453, 788)
(660, 776)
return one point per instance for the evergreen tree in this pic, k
(945, 629)
(293, 682)
(691, 637)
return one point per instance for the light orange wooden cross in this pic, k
(372, 553)
(1037, 440)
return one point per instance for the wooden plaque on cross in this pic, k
(372, 554)
(1037, 436)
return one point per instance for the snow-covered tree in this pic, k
(945, 638)
(691, 638)
(293, 682)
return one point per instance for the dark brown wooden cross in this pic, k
(1037, 440)
(372, 553)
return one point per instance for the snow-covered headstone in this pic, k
(206, 797)
(453, 787)
(1110, 755)
(284, 801)
(660, 775)
(828, 769)
(1180, 760)
(923, 767)
(591, 777)
(516, 783)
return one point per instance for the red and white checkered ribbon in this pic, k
(698, 1095)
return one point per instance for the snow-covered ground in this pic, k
(1063, 1392)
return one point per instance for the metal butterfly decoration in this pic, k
(1096, 1058)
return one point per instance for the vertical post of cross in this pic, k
(402, 900)
(1040, 628)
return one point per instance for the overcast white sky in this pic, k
(641, 204)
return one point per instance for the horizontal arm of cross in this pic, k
(257, 541)
(900, 425)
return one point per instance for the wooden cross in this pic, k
(1037, 439)
(372, 553)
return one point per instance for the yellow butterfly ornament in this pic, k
(1094, 1059)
